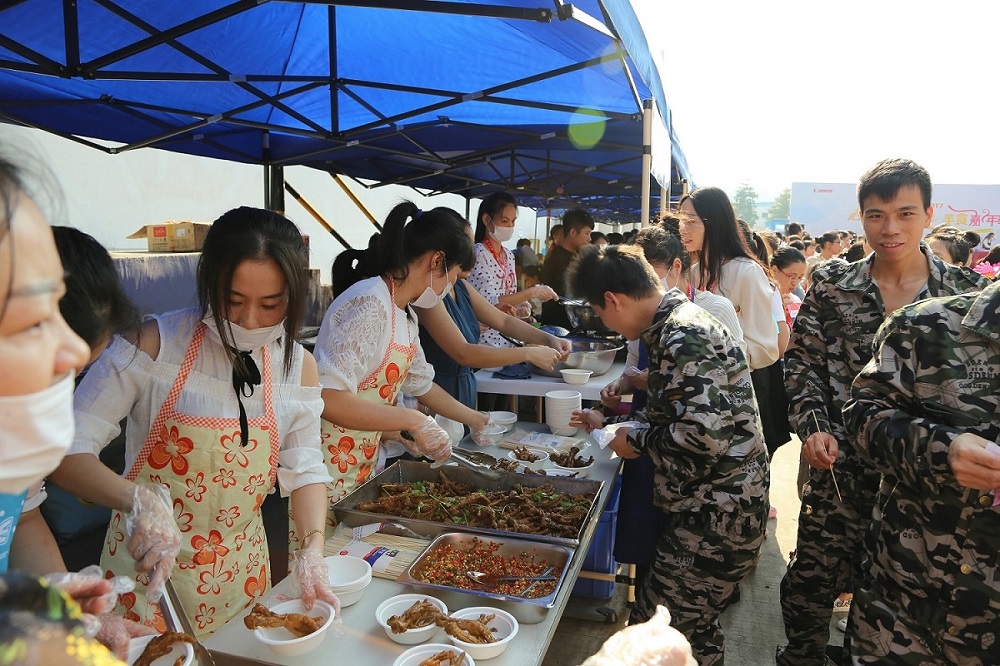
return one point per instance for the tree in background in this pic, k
(779, 210)
(745, 204)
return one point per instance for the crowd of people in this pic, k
(880, 354)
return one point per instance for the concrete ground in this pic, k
(753, 627)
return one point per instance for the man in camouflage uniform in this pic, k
(926, 412)
(711, 474)
(831, 342)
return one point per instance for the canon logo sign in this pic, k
(821, 190)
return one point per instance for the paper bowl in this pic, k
(574, 376)
(183, 651)
(281, 641)
(543, 459)
(505, 419)
(397, 605)
(503, 622)
(563, 431)
(349, 576)
(415, 655)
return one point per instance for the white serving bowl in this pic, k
(574, 376)
(349, 576)
(505, 419)
(281, 641)
(492, 435)
(177, 651)
(415, 655)
(503, 622)
(543, 459)
(582, 472)
(563, 431)
(397, 605)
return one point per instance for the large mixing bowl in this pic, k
(583, 318)
(588, 354)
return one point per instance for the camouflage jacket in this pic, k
(832, 338)
(705, 433)
(935, 375)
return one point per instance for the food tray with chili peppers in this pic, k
(432, 501)
(442, 569)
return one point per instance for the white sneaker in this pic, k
(842, 624)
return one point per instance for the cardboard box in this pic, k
(173, 236)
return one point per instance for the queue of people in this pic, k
(889, 381)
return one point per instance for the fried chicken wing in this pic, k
(298, 624)
(161, 646)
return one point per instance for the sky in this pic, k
(769, 92)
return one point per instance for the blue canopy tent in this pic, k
(442, 95)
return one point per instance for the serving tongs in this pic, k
(482, 470)
(177, 620)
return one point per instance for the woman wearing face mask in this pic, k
(220, 403)
(38, 356)
(368, 347)
(493, 275)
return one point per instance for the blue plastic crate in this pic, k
(600, 557)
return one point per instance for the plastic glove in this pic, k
(153, 537)
(431, 440)
(477, 432)
(311, 579)
(543, 293)
(115, 632)
(89, 588)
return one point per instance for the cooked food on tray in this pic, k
(525, 454)
(421, 614)
(470, 631)
(541, 510)
(161, 647)
(444, 658)
(571, 458)
(448, 565)
(297, 623)
(506, 465)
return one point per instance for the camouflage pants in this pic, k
(828, 552)
(910, 632)
(700, 560)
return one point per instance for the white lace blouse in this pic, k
(355, 335)
(493, 281)
(125, 381)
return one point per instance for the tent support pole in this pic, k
(647, 158)
(316, 216)
(357, 202)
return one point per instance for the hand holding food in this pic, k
(89, 588)
(543, 357)
(587, 418)
(115, 632)
(477, 431)
(153, 537)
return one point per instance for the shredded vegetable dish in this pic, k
(447, 565)
(542, 510)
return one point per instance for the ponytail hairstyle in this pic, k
(959, 243)
(252, 234)
(490, 207)
(407, 235)
(723, 239)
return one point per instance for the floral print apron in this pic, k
(351, 455)
(217, 485)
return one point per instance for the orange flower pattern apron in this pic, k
(217, 486)
(351, 455)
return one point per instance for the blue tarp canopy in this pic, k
(540, 97)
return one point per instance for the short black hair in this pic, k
(616, 268)
(576, 218)
(888, 177)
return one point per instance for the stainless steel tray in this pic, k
(408, 471)
(525, 610)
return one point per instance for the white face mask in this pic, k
(663, 281)
(247, 340)
(502, 234)
(429, 298)
(36, 430)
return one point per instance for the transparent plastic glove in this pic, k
(543, 293)
(477, 432)
(153, 536)
(115, 632)
(89, 588)
(311, 579)
(431, 440)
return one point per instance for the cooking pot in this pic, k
(588, 354)
(582, 317)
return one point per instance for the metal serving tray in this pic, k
(528, 611)
(408, 471)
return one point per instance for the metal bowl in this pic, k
(582, 317)
(591, 354)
